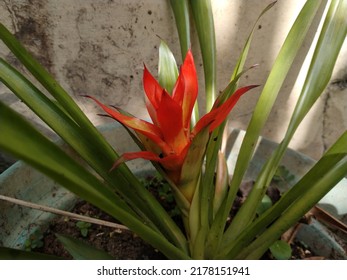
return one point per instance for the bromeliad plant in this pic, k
(185, 148)
(170, 140)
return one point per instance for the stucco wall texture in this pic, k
(99, 47)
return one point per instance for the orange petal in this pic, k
(224, 109)
(185, 91)
(153, 94)
(130, 156)
(171, 162)
(169, 116)
(217, 115)
(143, 127)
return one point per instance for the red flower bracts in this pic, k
(168, 139)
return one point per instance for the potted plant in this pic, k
(185, 148)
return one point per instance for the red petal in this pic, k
(175, 161)
(185, 91)
(169, 116)
(204, 121)
(130, 156)
(219, 114)
(172, 162)
(226, 107)
(153, 94)
(143, 127)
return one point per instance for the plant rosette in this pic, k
(191, 151)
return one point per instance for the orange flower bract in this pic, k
(170, 134)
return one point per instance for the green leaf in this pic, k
(52, 161)
(34, 240)
(58, 119)
(62, 124)
(294, 212)
(329, 44)
(192, 164)
(242, 59)
(282, 174)
(265, 204)
(189, 184)
(266, 100)
(84, 232)
(328, 47)
(14, 254)
(80, 250)
(222, 182)
(281, 250)
(167, 68)
(77, 132)
(203, 18)
(52, 86)
(181, 12)
(65, 127)
(304, 190)
(180, 9)
(84, 227)
(217, 135)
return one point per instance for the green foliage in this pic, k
(281, 250)
(264, 205)
(34, 241)
(203, 18)
(14, 254)
(81, 250)
(162, 190)
(282, 174)
(167, 68)
(83, 227)
(142, 206)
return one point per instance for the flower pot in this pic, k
(316, 236)
(23, 182)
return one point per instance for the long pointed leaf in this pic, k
(203, 18)
(242, 59)
(334, 155)
(14, 254)
(181, 12)
(214, 145)
(270, 91)
(167, 69)
(41, 74)
(80, 250)
(180, 9)
(49, 159)
(65, 100)
(296, 211)
(329, 44)
(328, 47)
(70, 132)
(54, 88)
(79, 135)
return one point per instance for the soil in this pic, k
(123, 244)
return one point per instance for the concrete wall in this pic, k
(98, 47)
